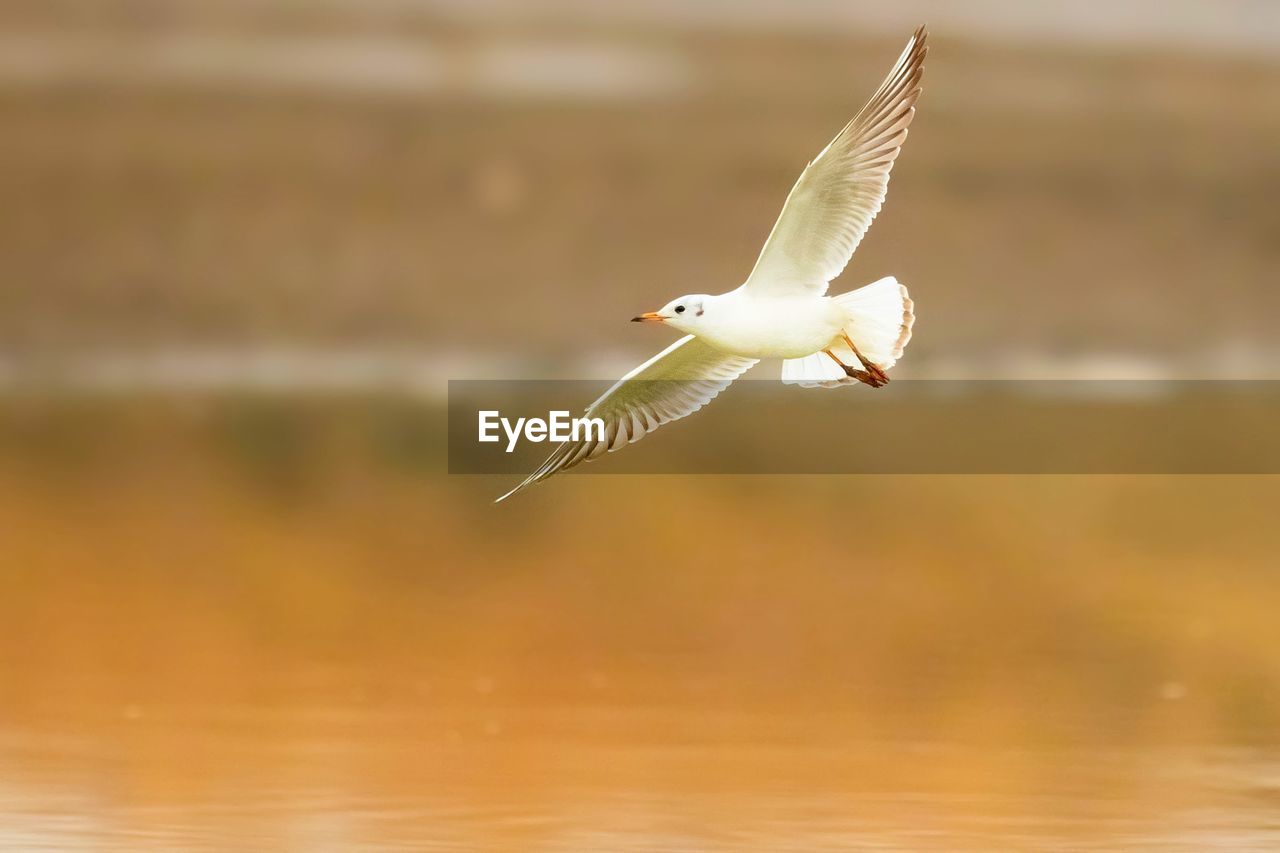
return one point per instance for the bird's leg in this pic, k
(873, 369)
(860, 375)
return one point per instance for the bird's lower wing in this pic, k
(675, 383)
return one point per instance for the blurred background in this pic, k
(243, 605)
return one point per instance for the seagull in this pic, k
(782, 310)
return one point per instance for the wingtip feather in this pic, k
(509, 494)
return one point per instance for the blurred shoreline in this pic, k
(293, 372)
(190, 187)
(1227, 26)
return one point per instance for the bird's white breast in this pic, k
(762, 327)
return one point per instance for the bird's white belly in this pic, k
(776, 328)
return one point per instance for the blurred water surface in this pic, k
(280, 625)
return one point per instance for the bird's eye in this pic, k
(679, 309)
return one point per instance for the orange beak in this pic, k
(649, 315)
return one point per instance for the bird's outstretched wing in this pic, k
(831, 207)
(675, 383)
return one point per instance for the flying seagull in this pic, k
(782, 310)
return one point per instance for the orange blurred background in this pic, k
(242, 605)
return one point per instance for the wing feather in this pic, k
(673, 384)
(840, 192)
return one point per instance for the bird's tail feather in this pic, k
(881, 315)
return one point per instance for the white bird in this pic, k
(782, 310)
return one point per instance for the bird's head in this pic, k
(685, 313)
